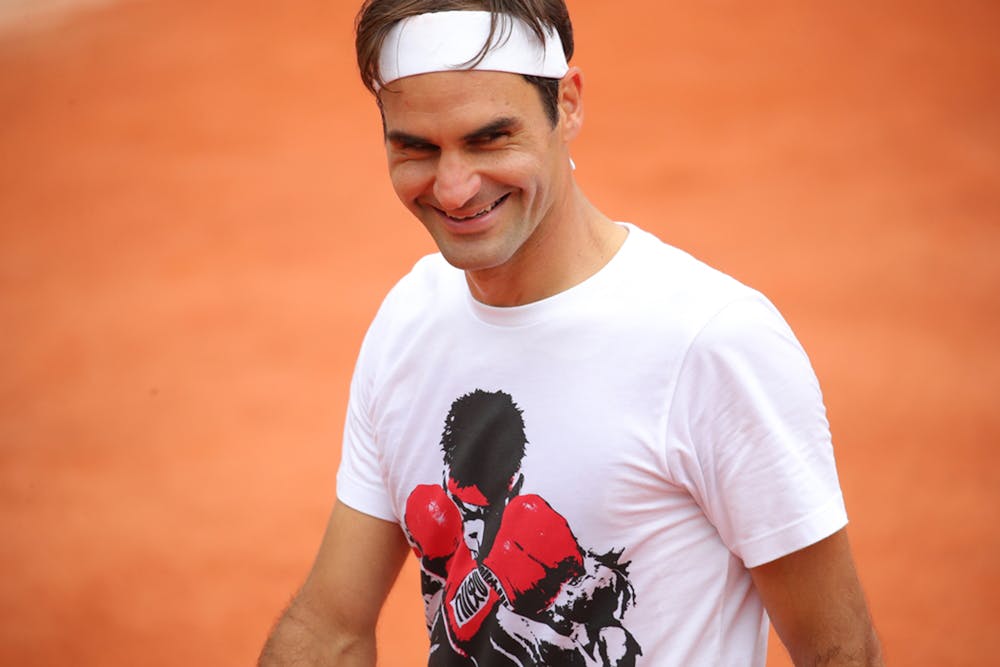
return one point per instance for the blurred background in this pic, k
(196, 227)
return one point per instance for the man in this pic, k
(601, 392)
(502, 571)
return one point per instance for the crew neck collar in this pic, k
(536, 311)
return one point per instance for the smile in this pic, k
(476, 215)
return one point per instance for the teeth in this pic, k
(483, 212)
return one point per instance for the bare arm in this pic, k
(815, 601)
(331, 621)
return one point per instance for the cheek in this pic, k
(519, 170)
(473, 530)
(410, 180)
(535, 168)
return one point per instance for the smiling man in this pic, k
(476, 159)
(602, 451)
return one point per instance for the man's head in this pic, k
(377, 18)
(474, 151)
(483, 444)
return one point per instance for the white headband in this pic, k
(444, 41)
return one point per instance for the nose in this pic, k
(456, 182)
(473, 530)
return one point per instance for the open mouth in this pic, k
(478, 214)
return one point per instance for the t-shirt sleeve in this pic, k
(360, 480)
(749, 414)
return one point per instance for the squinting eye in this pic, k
(488, 139)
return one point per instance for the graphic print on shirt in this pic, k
(505, 581)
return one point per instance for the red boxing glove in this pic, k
(534, 554)
(433, 522)
(469, 598)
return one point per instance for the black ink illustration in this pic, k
(504, 579)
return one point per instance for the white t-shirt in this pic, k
(671, 419)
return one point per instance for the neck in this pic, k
(565, 250)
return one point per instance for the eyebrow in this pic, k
(503, 123)
(399, 137)
(498, 125)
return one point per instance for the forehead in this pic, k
(458, 100)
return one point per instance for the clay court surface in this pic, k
(196, 226)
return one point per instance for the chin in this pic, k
(469, 254)
(467, 261)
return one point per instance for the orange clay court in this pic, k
(196, 227)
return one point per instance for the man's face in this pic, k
(474, 157)
(473, 524)
(474, 507)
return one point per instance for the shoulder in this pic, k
(677, 272)
(427, 288)
(428, 294)
(430, 278)
(683, 293)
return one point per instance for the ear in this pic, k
(571, 103)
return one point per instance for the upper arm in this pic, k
(356, 566)
(749, 435)
(815, 601)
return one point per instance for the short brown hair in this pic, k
(376, 18)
